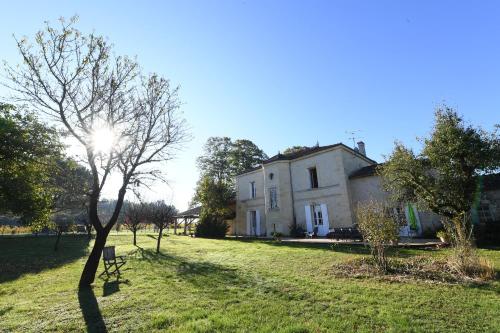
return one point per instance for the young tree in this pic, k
(126, 122)
(379, 230)
(161, 215)
(135, 216)
(444, 176)
(62, 223)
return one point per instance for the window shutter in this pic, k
(250, 190)
(326, 222)
(249, 222)
(257, 223)
(308, 218)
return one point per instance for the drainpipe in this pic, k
(291, 192)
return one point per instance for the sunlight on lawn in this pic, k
(226, 285)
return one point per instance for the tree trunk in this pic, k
(134, 231)
(90, 269)
(159, 239)
(56, 246)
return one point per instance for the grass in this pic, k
(199, 285)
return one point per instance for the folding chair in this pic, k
(112, 262)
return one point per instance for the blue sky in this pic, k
(284, 73)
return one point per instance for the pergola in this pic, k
(187, 217)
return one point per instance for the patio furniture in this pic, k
(312, 234)
(112, 262)
(345, 234)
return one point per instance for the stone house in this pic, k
(316, 188)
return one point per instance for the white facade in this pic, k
(319, 189)
(311, 189)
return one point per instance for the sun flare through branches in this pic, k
(103, 140)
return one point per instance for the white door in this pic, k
(317, 219)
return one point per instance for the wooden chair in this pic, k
(112, 262)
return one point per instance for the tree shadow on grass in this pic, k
(208, 276)
(23, 255)
(90, 311)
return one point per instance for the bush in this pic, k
(379, 230)
(277, 235)
(210, 226)
(443, 235)
(297, 231)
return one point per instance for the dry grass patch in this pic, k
(424, 268)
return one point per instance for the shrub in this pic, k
(297, 231)
(379, 230)
(210, 226)
(443, 235)
(276, 235)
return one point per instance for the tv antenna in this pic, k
(353, 136)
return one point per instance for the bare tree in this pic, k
(135, 217)
(103, 101)
(161, 215)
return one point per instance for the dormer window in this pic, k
(313, 177)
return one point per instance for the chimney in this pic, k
(361, 148)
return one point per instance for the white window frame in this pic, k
(317, 216)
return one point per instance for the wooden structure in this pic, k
(187, 217)
(112, 262)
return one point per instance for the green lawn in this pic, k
(198, 285)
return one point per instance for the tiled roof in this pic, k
(370, 170)
(305, 152)
(190, 212)
(490, 182)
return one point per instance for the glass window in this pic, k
(317, 215)
(253, 190)
(313, 177)
(273, 198)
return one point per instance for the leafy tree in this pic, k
(135, 216)
(161, 215)
(245, 155)
(28, 153)
(294, 149)
(215, 161)
(127, 123)
(72, 183)
(223, 159)
(215, 198)
(444, 176)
